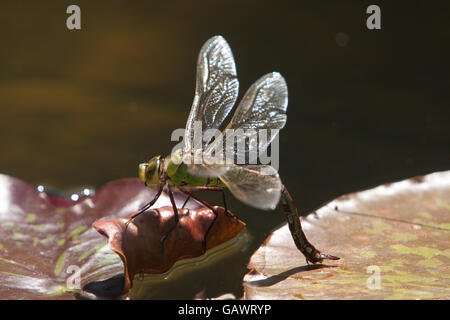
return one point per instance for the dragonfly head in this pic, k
(149, 173)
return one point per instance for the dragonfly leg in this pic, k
(206, 204)
(147, 206)
(223, 197)
(175, 212)
(224, 201)
(185, 202)
(184, 205)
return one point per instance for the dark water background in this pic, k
(81, 108)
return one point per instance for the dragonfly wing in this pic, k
(263, 106)
(215, 94)
(201, 170)
(258, 186)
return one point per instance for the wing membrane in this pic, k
(263, 106)
(216, 92)
(258, 186)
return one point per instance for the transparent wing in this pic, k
(258, 186)
(257, 120)
(215, 94)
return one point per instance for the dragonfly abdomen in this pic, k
(312, 254)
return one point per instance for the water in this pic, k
(81, 108)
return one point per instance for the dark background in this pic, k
(366, 107)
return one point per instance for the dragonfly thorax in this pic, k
(171, 169)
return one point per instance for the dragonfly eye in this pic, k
(149, 172)
(142, 168)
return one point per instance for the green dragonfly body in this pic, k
(179, 175)
(172, 170)
(262, 107)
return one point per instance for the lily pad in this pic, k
(49, 249)
(139, 243)
(393, 240)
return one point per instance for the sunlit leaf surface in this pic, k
(393, 240)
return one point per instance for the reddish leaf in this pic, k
(42, 245)
(140, 247)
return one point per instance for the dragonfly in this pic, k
(263, 106)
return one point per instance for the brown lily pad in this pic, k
(393, 240)
(140, 246)
(49, 250)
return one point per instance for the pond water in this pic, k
(83, 107)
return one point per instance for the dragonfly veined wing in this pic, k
(254, 125)
(264, 107)
(264, 104)
(215, 94)
(256, 185)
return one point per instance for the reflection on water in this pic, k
(81, 108)
(224, 266)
